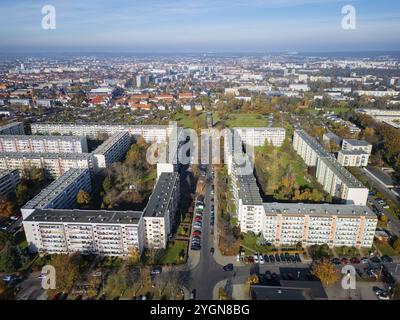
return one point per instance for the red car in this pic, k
(197, 219)
(344, 261)
(250, 259)
(354, 260)
(196, 233)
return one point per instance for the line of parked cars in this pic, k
(272, 258)
(195, 243)
(363, 260)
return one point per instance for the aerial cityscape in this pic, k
(171, 172)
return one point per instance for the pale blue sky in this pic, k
(199, 25)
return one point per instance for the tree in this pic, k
(107, 184)
(134, 256)
(117, 283)
(6, 207)
(326, 272)
(396, 245)
(22, 193)
(253, 279)
(83, 198)
(10, 259)
(67, 271)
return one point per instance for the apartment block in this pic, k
(53, 164)
(160, 212)
(308, 148)
(335, 225)
(61, 193)
(112, 150)
(356, 145)
(109, 233)
(339, 182)
(353, 158)
(257, 136)
(9, 180)
(42, 144)
(151, 133)
(12, 128)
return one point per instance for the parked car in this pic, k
(212, 250)
(336, 261)
(283, 258)
(344, 261)
(364, 260)
(250, 259)
(196, 233)
(383, 296)
(277, 258)
(271, 258)
(156, 270)
(195, 247)
(386, 258)
(255, 257)
(297, 257)
(266, 258)
(260, 257)
(375, 260)
(355, 260)
(228, 267)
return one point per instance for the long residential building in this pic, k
(12, 128)
(61, 193)
(160, 212)
(333, 177)
(308, 148)
(112, 150)
(340, 183)
(53, 164)
(50, 144)
(151, 133)
(335, 225)
(110, 233)
(257, 136)
(9, 180)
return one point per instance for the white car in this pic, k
(383, 296)
(261, 259)
(256, 260)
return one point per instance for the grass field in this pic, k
(244, 120)
(173, 253)
(184, 119)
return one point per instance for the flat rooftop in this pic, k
(320, 150)
(248, 190)
(355, 142)
(318, 210)
(46, 155)
(40, 137)
(342, 173)
(161, 196)
(353, 152)
(54, 189)
(84, 216)
(110, 142)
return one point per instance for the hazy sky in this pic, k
(199, 25)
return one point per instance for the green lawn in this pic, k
(246, 120)
(184, 119)
(151, 175)
(386, 249)
(173, 252)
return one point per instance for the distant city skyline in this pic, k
(199, 26)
